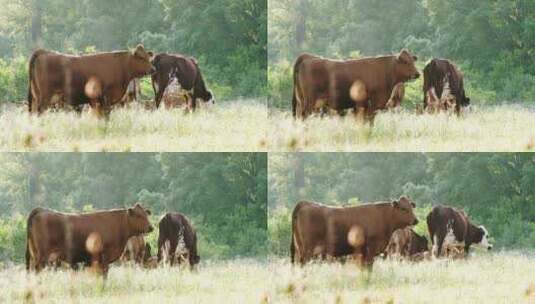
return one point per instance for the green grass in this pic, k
(232, 126)
(505, 277)
(502, 128)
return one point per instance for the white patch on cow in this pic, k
(450, 245)
(212, 99)
(434, 249)
(166, 251)
(484, 243)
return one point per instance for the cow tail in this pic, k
(27, 253)
(296, 88)
(429, 220)
(31, 78)
(29, 236)
(294, 236)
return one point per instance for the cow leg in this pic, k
(106, 106)
(105, 267)
(193, 101)
(160, 90)
(172, 251)
(360, 114)
(439, 244)
(367, 259)
(191, 259)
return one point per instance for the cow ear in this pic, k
(415, 58)
(403, 55)
(413, 205)
(395, 204)
(148, 211)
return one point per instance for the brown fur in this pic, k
(187, 73)
(320, 78)
(53, 73)
(441, 219)
(406, 243)
(435, 72)
(173, 226)
(133, 93)
(65, 235)
(136, 250)
(319, 230)
(398, 93)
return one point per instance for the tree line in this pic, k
(227, 37)
(224, 194)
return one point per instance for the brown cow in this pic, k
(136, 250)
(434, 74)
(175, 96)
(186, 71)
(65, 235)
(398, 93)
(406, 243)
(330, 81)
(133, 93)
(174, 229)
(319, 230)
(446, 102)
(52, 73)
(465, 232)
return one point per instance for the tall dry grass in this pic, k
(233, 126)
(240, 281)
(503, 128)
(504, 277)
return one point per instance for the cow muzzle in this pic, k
(489, 247)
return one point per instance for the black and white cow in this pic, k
(462, 232)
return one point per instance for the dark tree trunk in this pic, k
(36, 26)
(300, 24)
(299, 171)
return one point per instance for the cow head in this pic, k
(403, 212)
(138, 220)
(405, 69)
(481, 238)
(209, 98)
(140, 62)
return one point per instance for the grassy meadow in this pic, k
(231, 126)
(499, 278)
(500, 128)
(239, 281)
(505, 277)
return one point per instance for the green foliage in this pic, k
(13, 238)
(280, 231)
(280, 85)
(228, 37)
(13, 79)
(224, 194)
